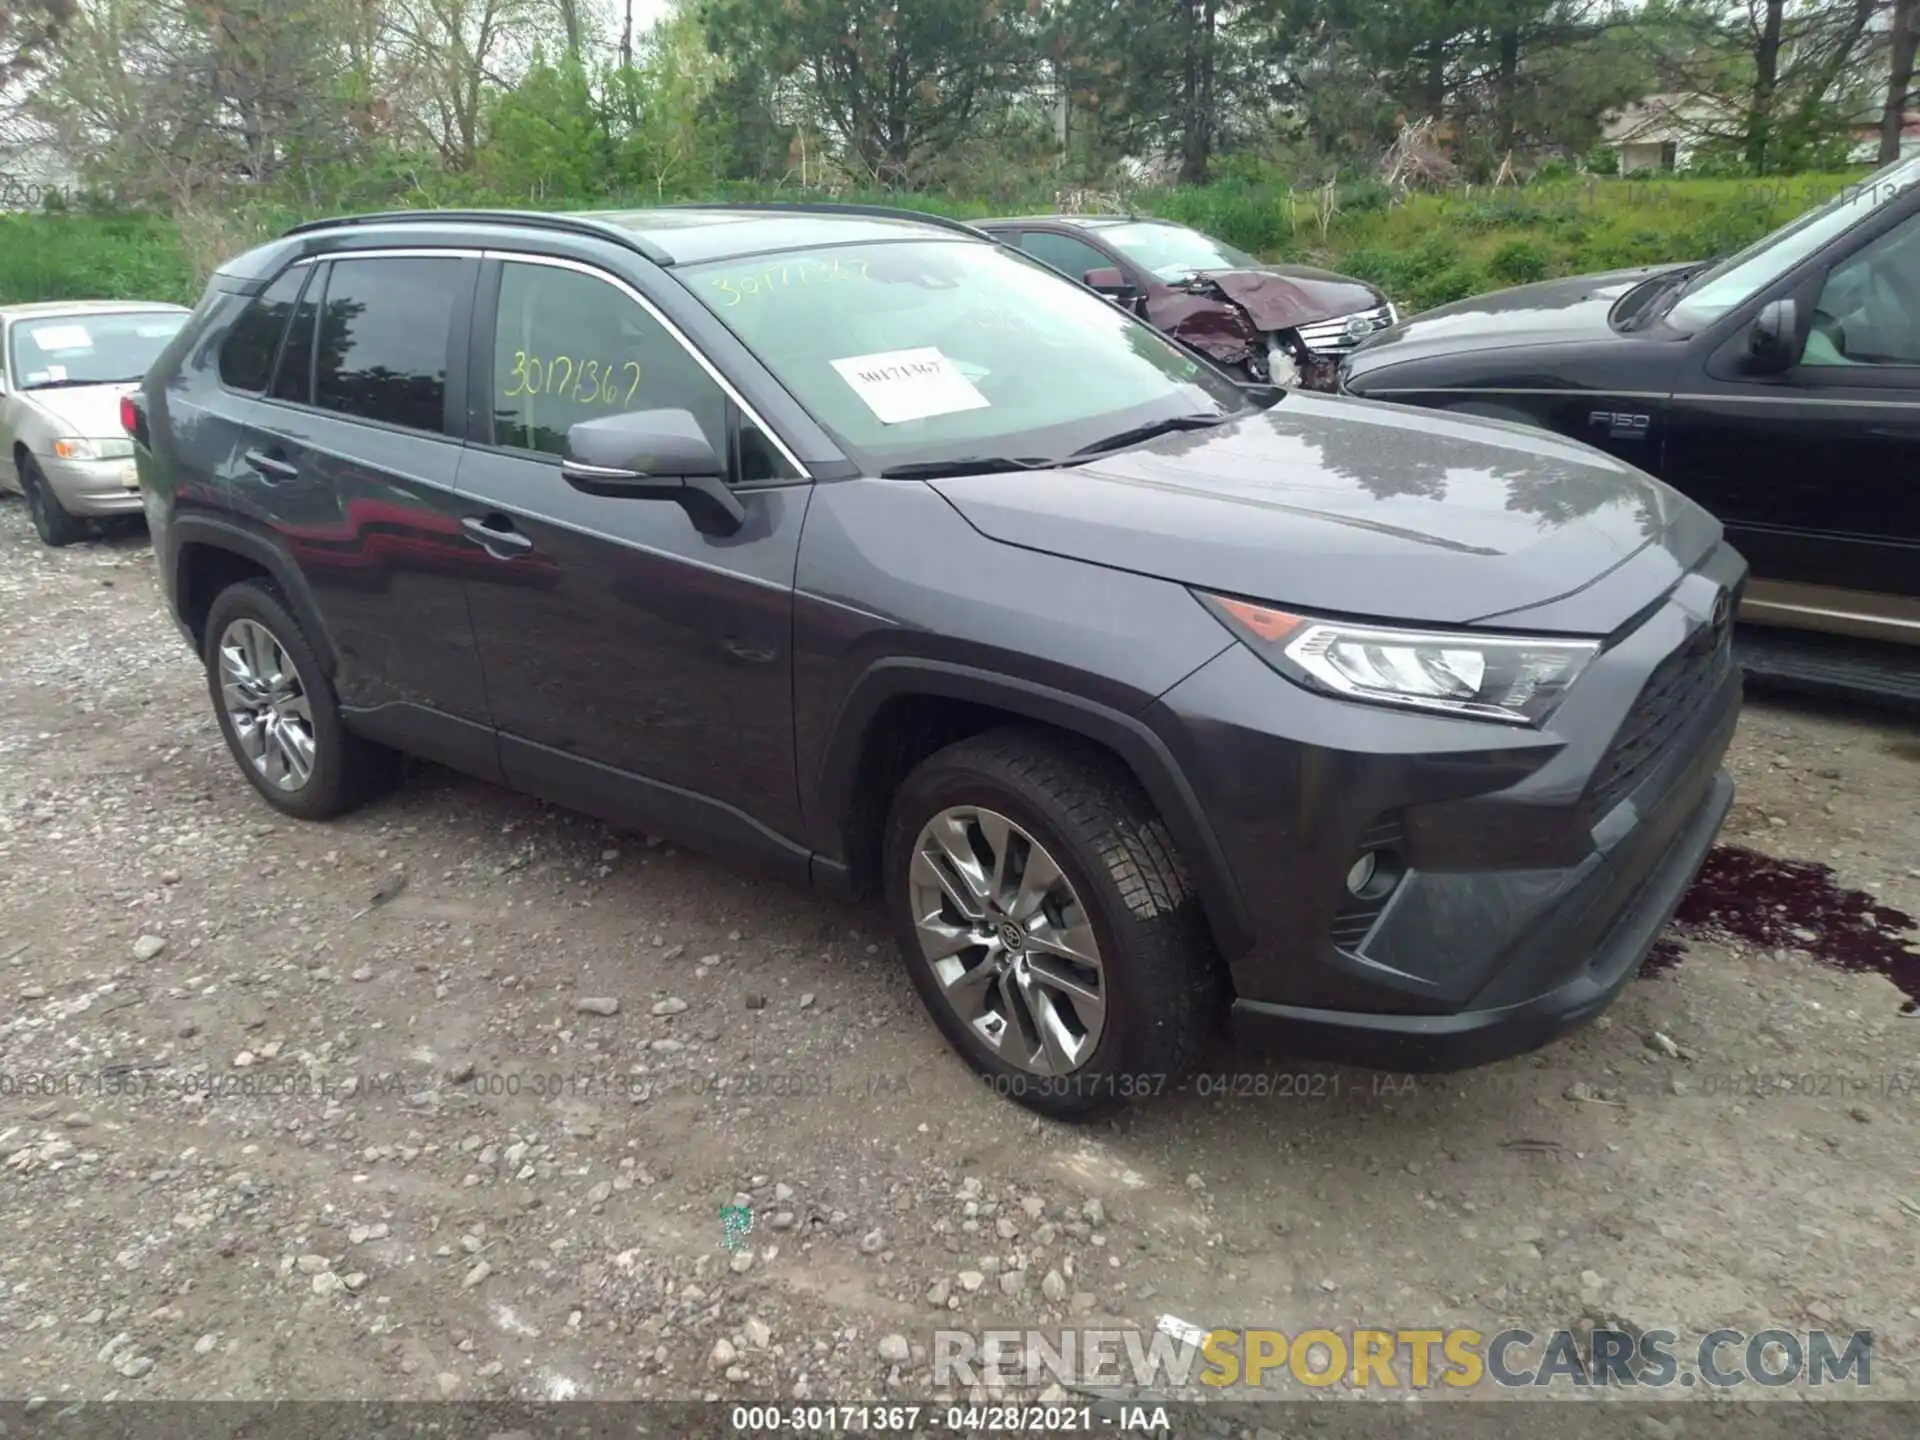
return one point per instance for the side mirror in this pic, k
(1107, 280)
(653, 455)
(1773, 345)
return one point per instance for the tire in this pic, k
(343, 770)
(55, 526)
(1158, 972)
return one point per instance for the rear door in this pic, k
(637, 666)
(351, 460)
(1816, 472)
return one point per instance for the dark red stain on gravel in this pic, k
(1772, 904)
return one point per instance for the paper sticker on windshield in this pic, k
(56, 372)
(909, 384)
(62, 337)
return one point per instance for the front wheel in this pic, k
(51, 521)
(1047, 924)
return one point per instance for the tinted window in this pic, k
(383, 339)
(1064, 253)
(1869, 307)
(246, 359)
(569, 347)
(294, 379)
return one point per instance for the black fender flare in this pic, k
(1127, 736)
(217, 533)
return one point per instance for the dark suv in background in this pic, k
(855, 545)
(1779, 387)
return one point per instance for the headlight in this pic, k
(78, 449)
(1518, 679)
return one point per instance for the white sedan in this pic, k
(63, 367)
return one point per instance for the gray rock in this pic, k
(873, 1242)
(672, 1005)
(758, 1333)
(894, 1349)
(599, 1005)
(939, 1293)
(136, 1367)
(478, 1273)
(971, 1280)
(1054, 1286)
(148, 946)
(723, 1354)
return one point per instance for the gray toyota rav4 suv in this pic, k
(852, 544)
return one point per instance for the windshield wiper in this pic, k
(965, 465)
(1149, 432)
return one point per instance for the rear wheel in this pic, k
(279, 713)
(50, 518)
(1046, 923)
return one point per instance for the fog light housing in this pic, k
(1360, 874)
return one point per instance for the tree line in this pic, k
(183, 102)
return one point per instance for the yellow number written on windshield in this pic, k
(786, 277)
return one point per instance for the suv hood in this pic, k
(1355, 508)
(1569, 311)
(89, 412)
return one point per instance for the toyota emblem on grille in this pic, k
(1360, 326)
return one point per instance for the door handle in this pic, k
(496, 535)
(271, 467)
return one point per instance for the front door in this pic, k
(637, 666)
(1816, 473)
(350, 460)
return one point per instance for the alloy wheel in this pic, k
(267, 704)
(1008, 940)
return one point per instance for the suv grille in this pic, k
(1343, 332)
(1671, 694)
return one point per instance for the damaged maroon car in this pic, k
(1288, 324)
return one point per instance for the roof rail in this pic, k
(831, 207)
(532, 219)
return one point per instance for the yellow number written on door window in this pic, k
(585, 382)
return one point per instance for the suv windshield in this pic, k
(936, 350)
(1715, 291)
(1173, 252)
(90, 347)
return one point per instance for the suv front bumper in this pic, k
(1534, 868)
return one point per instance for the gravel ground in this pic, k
(452, 1097)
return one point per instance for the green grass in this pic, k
(1424, 251)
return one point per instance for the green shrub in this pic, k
(1519, 261)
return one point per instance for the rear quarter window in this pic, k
(247, 354)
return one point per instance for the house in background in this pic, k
(1661, 132)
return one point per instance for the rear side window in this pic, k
(246, 356)
(384, 329)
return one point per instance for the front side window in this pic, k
(570, 347)
(384, 328)
(937, 350)
(89, 347)
(1064, 253)
(1173, 252)
(1869, 308)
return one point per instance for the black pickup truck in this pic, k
(1779, 387)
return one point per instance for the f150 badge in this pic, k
(1620, 425)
